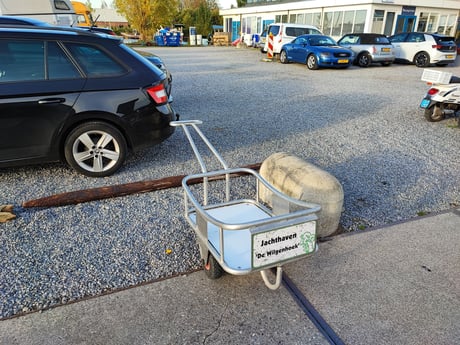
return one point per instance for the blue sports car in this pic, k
(316, 51)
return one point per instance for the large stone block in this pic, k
(304, 181)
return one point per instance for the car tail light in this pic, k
(436, 46)
(158, 93)
(433, 91)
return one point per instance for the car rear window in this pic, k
(444, 39)
(374, 40)
(94, 61)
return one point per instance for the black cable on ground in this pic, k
(311, 312)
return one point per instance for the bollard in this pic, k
(301, 180)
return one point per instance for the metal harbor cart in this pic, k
(237, 230)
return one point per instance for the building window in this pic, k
(316, 19)
(422, 22)
(432, 20)
(281, 18)
(337, 26)
(327, 22)
(353, 22)
(360, 21)
(377, 21)
(348, 22)
(450, 30)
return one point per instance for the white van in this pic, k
(55, 12)
(285, 33)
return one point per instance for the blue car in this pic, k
(316, 51)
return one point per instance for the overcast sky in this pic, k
(223, 3)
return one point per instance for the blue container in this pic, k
(173, 40)
(160, 40)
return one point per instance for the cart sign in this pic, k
(283, 244)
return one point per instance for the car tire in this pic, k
(434, 114)
(422, 59)
(213, 269)
(364, 60)
(95, 149)
(312, 62)
(283, 57)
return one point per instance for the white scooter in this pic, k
(443, 98)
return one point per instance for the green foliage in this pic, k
(88, 4)
(147, 16)
(201, 14)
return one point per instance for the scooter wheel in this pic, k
(434, 114)
(212, 268)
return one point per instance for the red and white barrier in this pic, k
(270, 46)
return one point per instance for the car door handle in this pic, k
(51, 100)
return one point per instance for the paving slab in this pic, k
(395, 285)
(188, 309)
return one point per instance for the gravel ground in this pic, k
(363, 126)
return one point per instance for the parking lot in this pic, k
(363, 125)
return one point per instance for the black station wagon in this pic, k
(78, 97)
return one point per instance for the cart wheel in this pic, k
(212, 268)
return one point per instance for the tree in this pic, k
(88, 4)
(147, 16)
(201, 14)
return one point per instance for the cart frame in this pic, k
(233, 231)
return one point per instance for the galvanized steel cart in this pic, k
(238, 233)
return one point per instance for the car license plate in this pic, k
(343, 61)
(386, 50)
(425, 103)
(449, 57)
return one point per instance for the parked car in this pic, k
(157, 61)
(262, 40)
(424, 49)
(78, 97)
(285, 32)
(369, 48)
(316, 51)
(14, 21)
(458, 45)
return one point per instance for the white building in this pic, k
(338, 17)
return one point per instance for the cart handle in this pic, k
(277, 283)
(194, 124)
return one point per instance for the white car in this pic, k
(424, 49)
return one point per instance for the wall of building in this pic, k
(338, 17)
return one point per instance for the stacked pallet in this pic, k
(221, 39)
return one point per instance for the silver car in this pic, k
(369, 48)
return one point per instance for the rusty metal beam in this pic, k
(99, 193)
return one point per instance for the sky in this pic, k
(223, 3)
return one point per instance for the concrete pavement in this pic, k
(399, 284)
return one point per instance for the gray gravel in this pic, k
(361, 125)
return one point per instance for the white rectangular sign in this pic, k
(283, 244)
